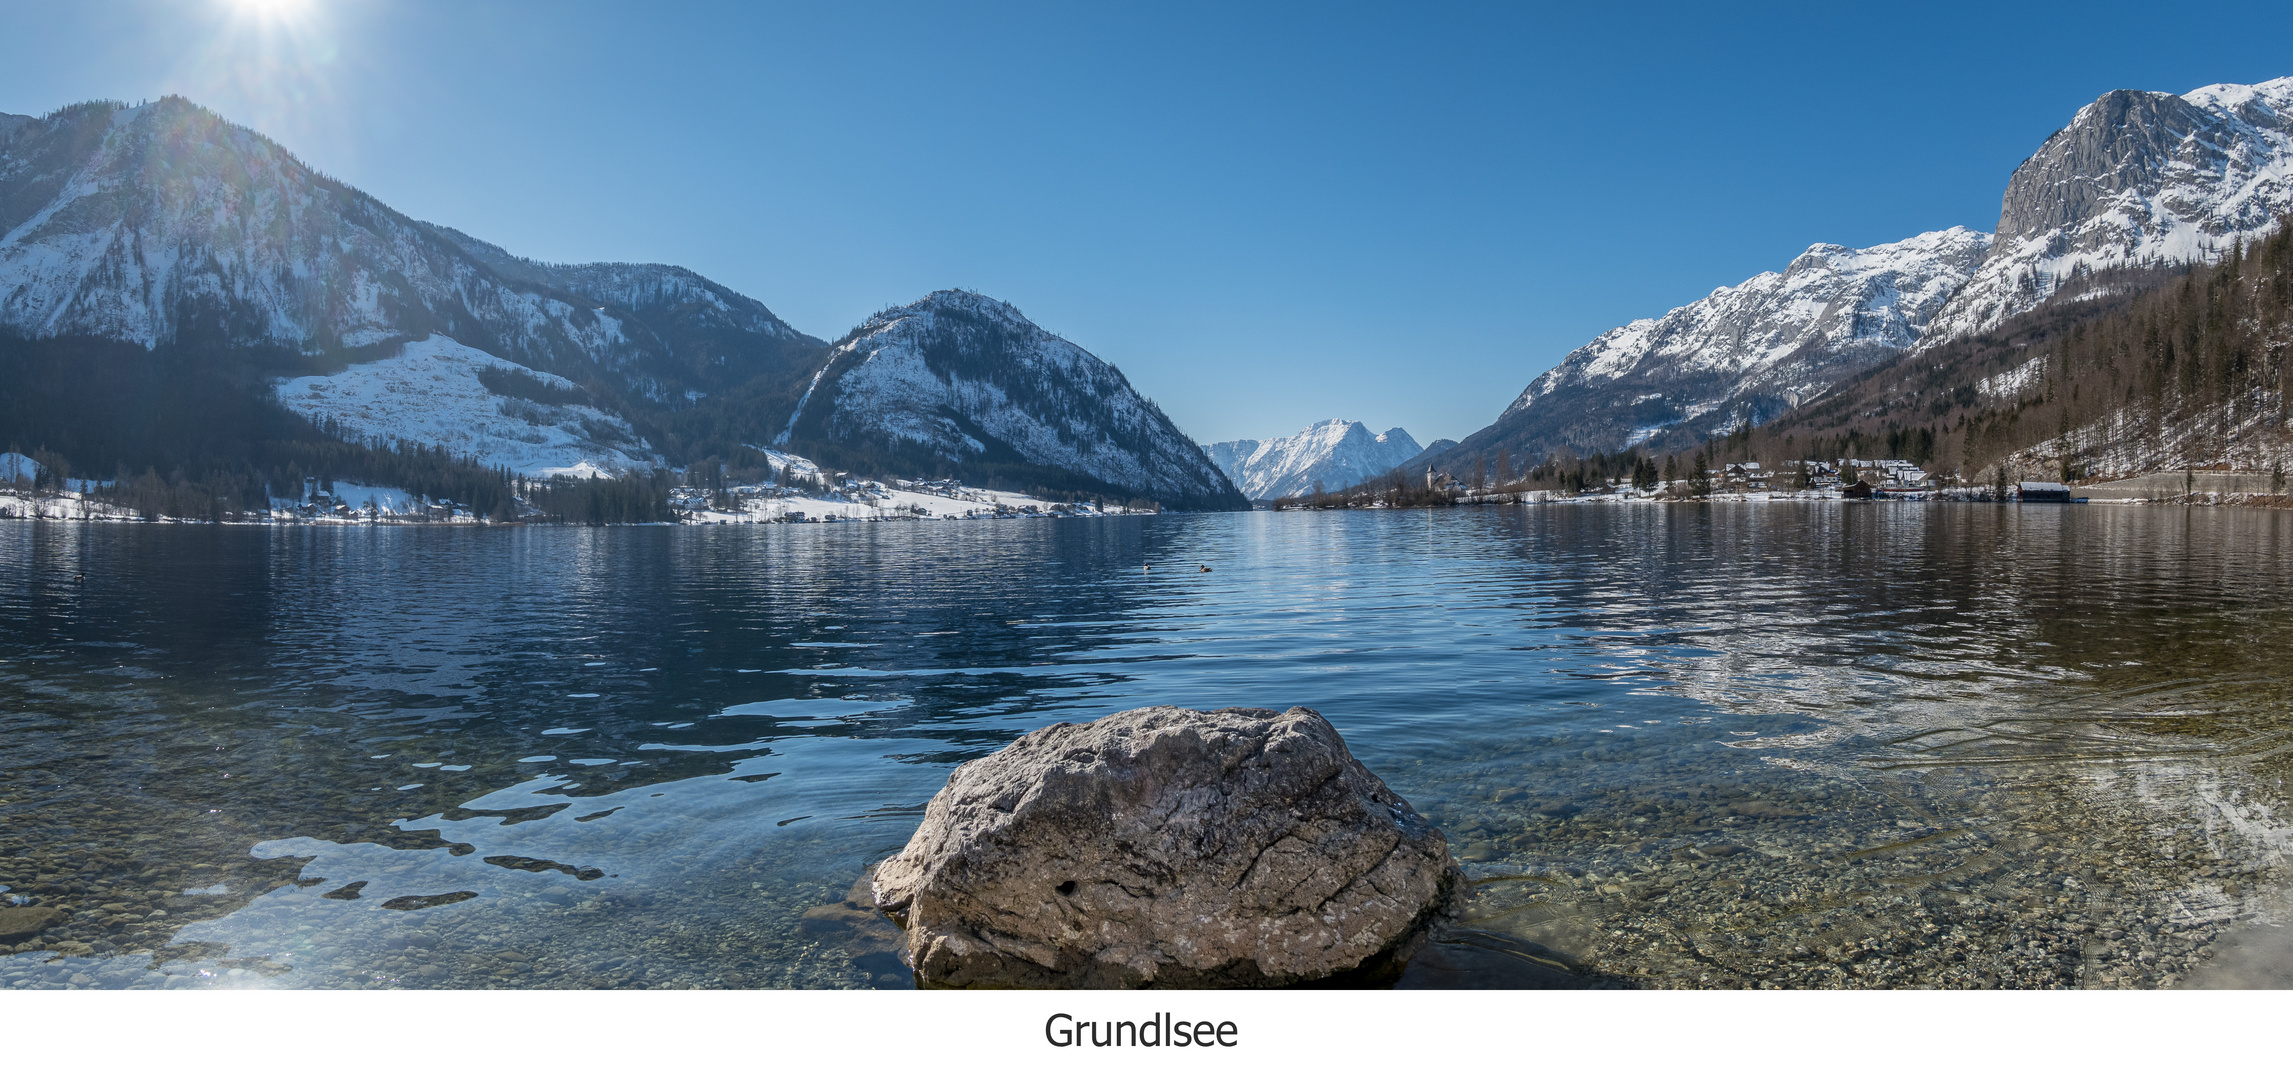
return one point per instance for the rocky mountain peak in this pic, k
(961, 302)
(2136, 177)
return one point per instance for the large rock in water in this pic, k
(1165, 847)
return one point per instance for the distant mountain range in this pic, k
(234, 270)
(2137, 179)
(1333, 454)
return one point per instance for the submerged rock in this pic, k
(1165, 847)
(17, 923)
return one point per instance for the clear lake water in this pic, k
(1786, 745)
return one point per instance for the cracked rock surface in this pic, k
(1165, 847)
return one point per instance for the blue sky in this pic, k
(1265, 215)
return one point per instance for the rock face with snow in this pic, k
(1230, 455)
(1332, 454)
(964, 382)
(1165, 847)
(2137, 177)
(1748, 352)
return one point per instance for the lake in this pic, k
(1790, 744)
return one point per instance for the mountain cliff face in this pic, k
(961, 381)
(2136, 178)
(1744, 353)
(1333, 454)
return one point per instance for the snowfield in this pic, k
(429, 393)
(2136, 178)
(59, 506)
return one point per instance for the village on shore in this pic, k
(343, 503)
(1840, 479)
(803, 494)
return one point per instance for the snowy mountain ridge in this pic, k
(161, 222)
(1843, 298)
(1743, 353)
(2136, 178)
(1331, 455)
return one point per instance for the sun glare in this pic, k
(270, 9)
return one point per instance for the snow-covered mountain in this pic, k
(962, 379)
(2137, 177)
(1332, 454)
(163, 224)
(1745, 352)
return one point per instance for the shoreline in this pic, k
(69, 509)
(73, 507)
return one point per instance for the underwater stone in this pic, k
(17, 923)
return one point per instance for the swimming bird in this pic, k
(1205, 569)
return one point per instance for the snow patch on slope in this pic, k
(429, 393)
(2009, 385)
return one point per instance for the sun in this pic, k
(269, 9)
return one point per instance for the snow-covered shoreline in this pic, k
(759, 505)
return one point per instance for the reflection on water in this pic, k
(1789, 745)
